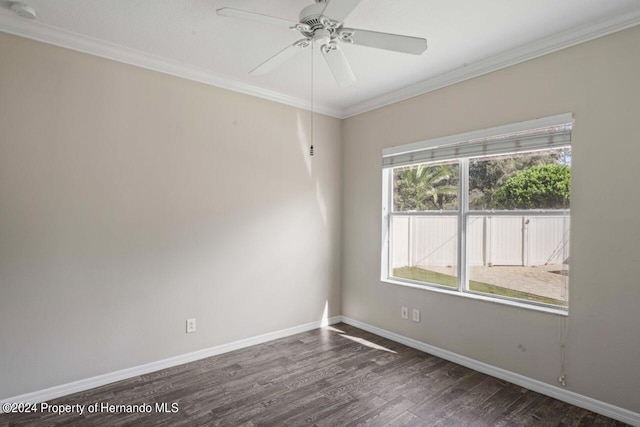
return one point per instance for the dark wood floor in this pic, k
(327, 377)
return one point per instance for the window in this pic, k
(484, 213)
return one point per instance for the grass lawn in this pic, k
(415, 273)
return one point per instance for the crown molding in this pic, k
(572, 37)
(35, 30)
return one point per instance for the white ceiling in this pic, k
(187, 38)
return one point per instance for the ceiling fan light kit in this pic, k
(322, 23)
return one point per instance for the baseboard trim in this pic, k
(606, 409)
(100, 380)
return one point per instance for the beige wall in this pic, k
(131, 200)
(598, 82)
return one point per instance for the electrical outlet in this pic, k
(416, 315)
(405, 313)
(191, 325)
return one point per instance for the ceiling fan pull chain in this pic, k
(311, 138)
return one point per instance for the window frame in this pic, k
(462, 213)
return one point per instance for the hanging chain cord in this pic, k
(311, 148)
(563, 321)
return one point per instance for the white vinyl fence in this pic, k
(498, 240)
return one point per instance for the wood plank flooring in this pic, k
(332, 376)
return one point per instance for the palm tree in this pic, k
(425, 187)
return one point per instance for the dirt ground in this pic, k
(538, 280)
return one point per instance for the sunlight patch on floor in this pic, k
(368, 343)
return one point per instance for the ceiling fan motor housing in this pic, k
(310, 15)
(313, 21)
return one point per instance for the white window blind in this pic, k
(539, 134)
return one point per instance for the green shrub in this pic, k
(539, 187)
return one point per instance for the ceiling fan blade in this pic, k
(338, 10)
(394, 42)
(339, 66)
(256, 17)
(281, 57)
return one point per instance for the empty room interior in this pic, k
(340, 212)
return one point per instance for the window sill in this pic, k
(544, 309)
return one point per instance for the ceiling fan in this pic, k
(323, 23)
